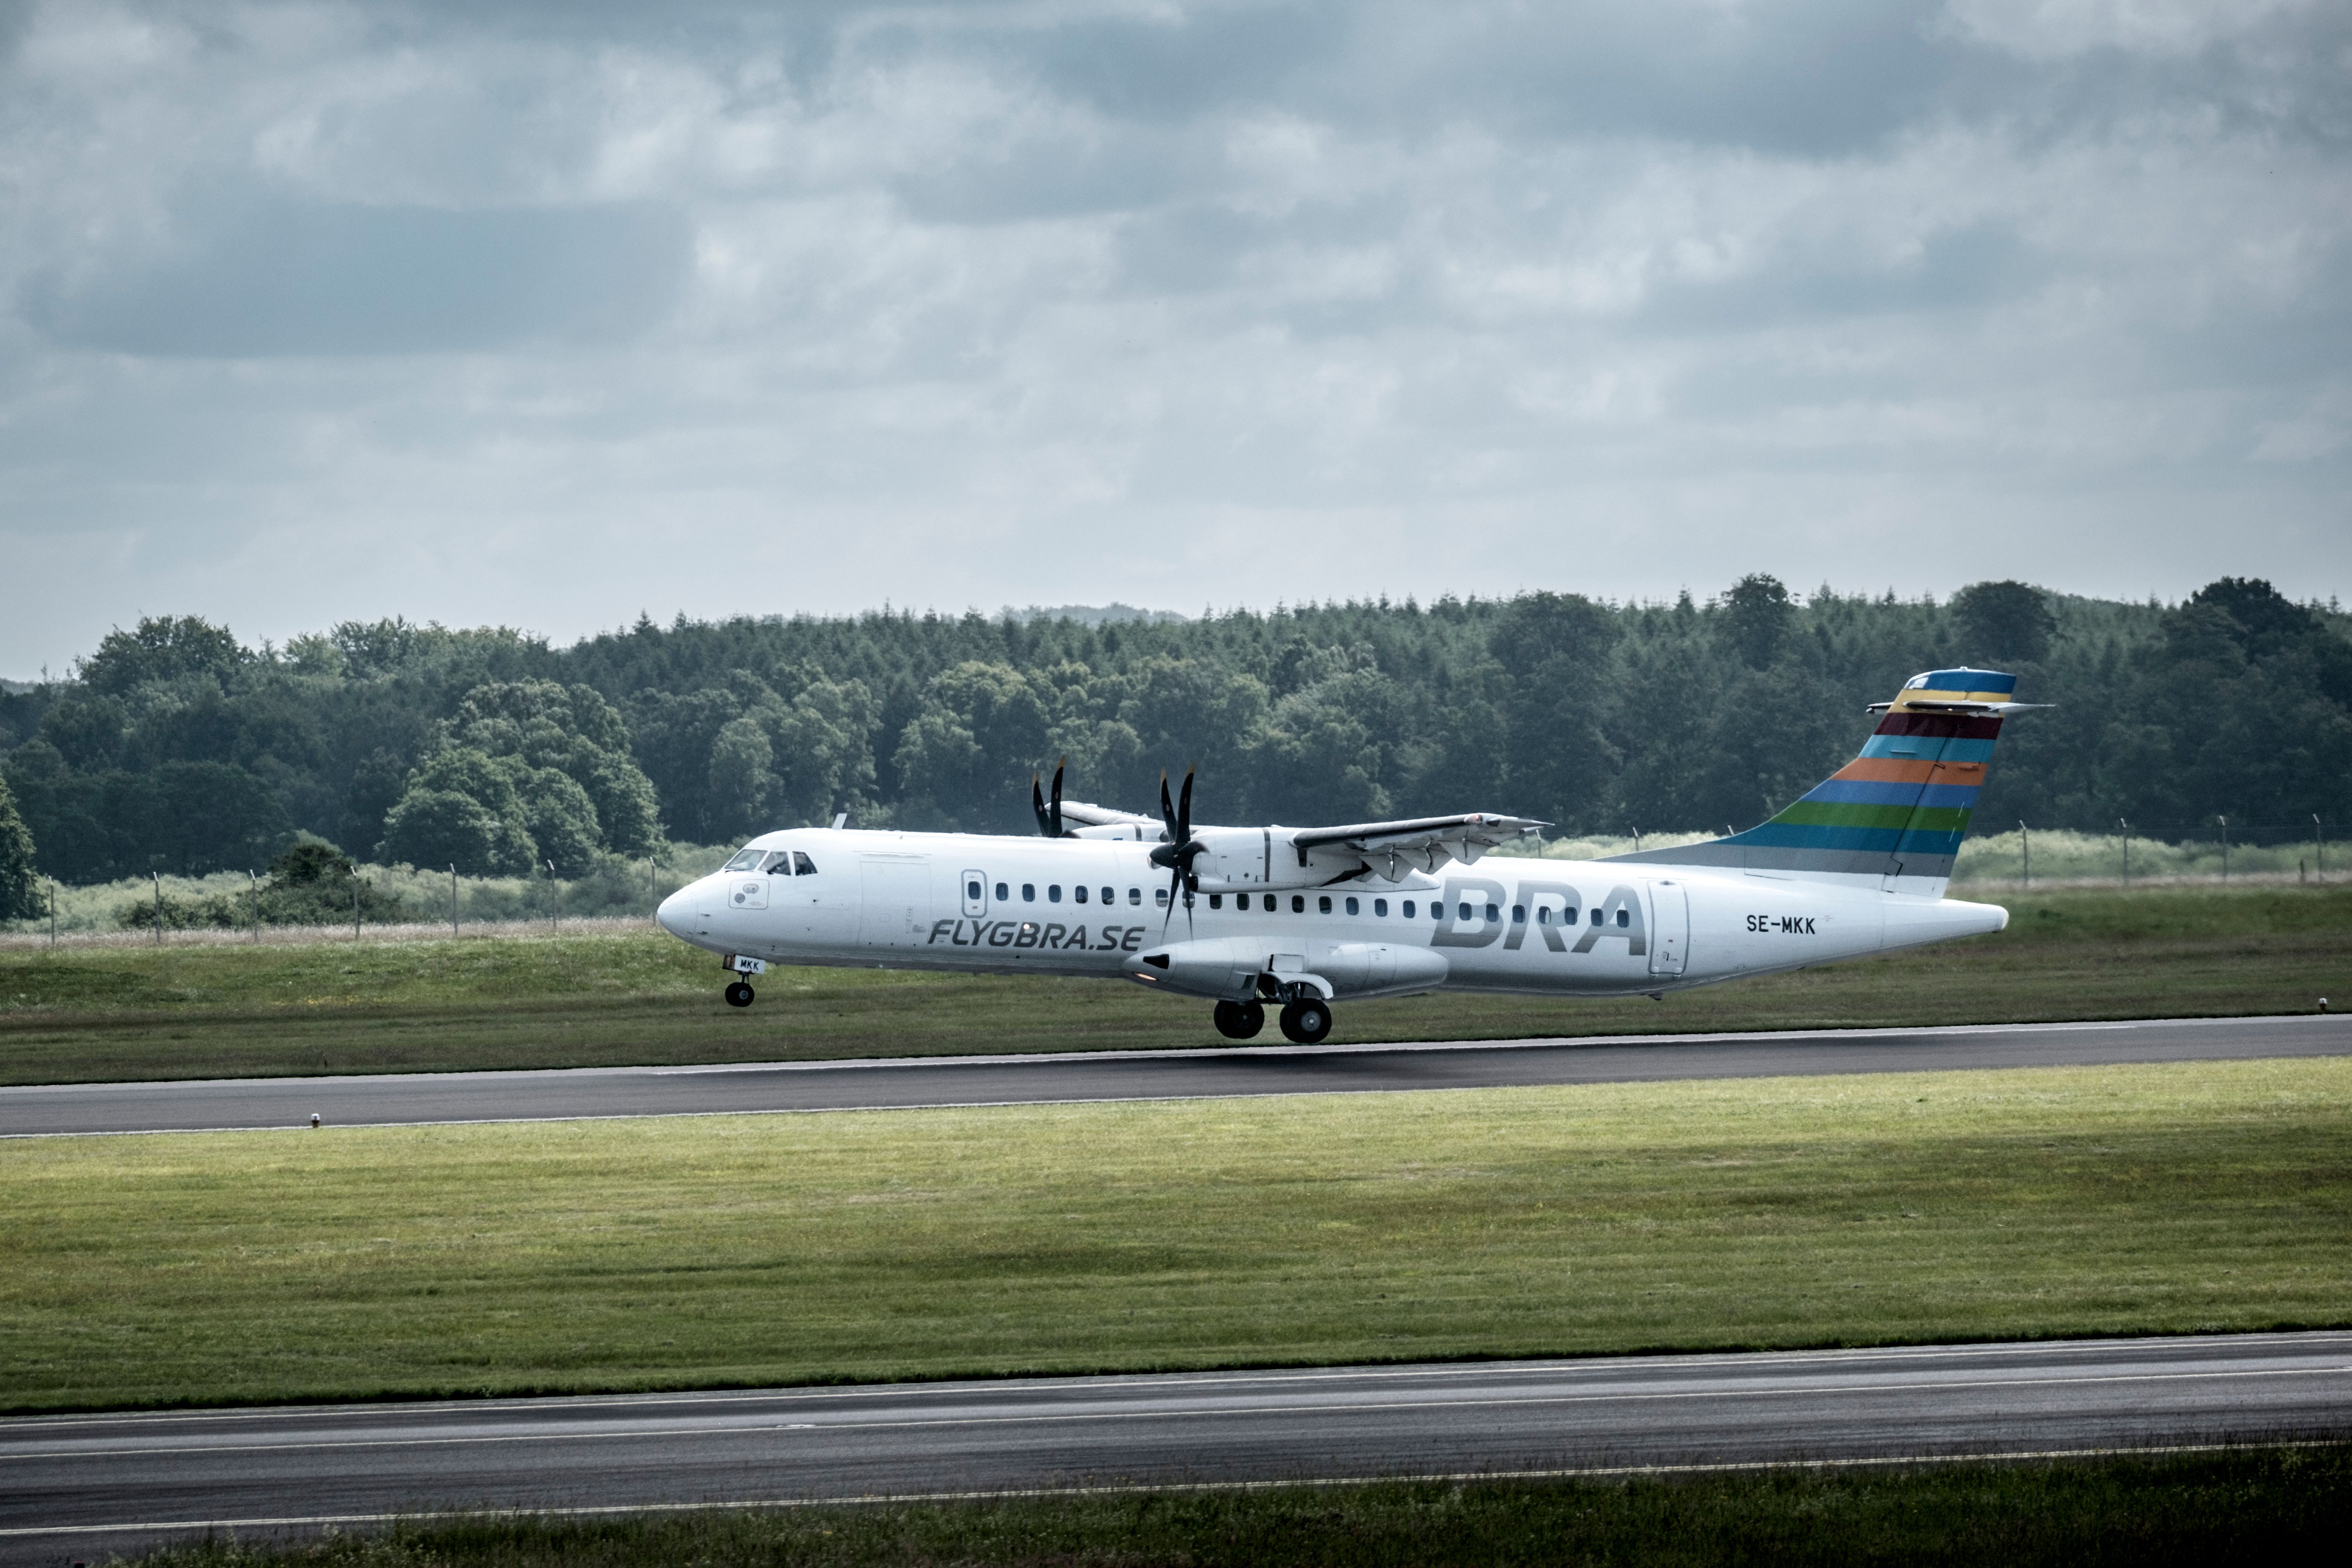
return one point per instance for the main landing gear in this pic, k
(739, 994)
(1305, 1020)
(1240, 1020)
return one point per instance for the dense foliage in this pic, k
(175, 747)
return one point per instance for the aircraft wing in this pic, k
(1422, 841)
(1087, 815)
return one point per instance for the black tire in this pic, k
(739, 995)
(1306, 1022)
(1240, 1020)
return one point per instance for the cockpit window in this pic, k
(779, 863)
(745, 860)
(802, 864)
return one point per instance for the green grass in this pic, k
(192, 1011)
(2265, 1505)
(752, 1250)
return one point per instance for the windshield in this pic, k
(744, 860)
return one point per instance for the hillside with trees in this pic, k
(175, 747)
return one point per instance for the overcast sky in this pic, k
(548, 315)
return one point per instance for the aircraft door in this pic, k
(894, 901)
(1669, 927)
(975, 894)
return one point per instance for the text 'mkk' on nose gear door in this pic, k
(1669, 927)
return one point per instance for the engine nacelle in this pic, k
(1236, 968)
(1263, 859)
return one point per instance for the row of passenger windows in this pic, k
(1054, 893)
(1407, 908)
(1270, 902)
(793, 862)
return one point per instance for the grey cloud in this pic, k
(283, 277)
(1955, 269)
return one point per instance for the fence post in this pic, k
(2123, 832)
(159, 907)
(2225, 849)
(53, 912)
(256, 881)
(2026, 839)
(453, 899)
(2318, 850)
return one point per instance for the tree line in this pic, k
(175, 746)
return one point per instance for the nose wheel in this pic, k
(739, 994)
(1240, 1020)
(1306, 1022)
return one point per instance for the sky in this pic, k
(550, 315)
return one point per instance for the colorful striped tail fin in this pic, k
(1897, 813)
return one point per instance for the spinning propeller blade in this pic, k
(1049, 819)
(1177, 854)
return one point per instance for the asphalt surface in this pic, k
(216, 1104)
(74, 1488)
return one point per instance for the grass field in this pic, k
(752, 1250)
(2271, 1506)
(88, 1013)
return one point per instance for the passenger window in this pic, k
(1543, 916)
(1054, 893)
(1135, 896)
(802, 865)
(971, 891)
(1028, 892)
(745, 859)
(1466, 913)
(1216, 901)
(1381, 907)
(1158, 895)
(1518, 914)
(1323, 905)
(1110, 895)
(1596, 917)
(1003, 892)
(1297, 903)
(1568, 916)
(1493, 915)
(1352, 908)
(1079, 893)
(1408, 909)
(1624, 917)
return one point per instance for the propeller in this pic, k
(1049, 820)
(1177, 855)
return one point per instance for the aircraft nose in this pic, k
(672, 914)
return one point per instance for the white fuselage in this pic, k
(1088, 907)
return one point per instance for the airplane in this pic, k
(1298, 918)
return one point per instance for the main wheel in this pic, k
(1240, 1020)
(739, 994)
(1306, 1022)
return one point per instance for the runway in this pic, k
(77, 1487)
(749, 1087)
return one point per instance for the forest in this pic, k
(175, 747)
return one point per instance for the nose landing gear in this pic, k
(741, 967)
